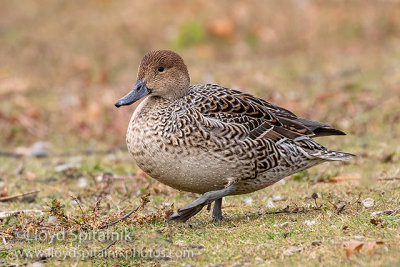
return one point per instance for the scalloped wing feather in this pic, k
(259, 117)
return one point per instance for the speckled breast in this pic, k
(159, 151)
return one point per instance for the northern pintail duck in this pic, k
(212, 140)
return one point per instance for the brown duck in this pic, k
(212, 140)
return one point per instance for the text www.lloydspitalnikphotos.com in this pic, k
(96, 252)
(124, 235)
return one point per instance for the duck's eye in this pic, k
(160, 69)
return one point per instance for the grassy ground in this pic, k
(64, 65)
(309, 232)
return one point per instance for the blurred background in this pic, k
(63, 64)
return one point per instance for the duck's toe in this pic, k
(217, 219)
(195, 207)
(185, 213)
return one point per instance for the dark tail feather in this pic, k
(319, 128)
(327, 131)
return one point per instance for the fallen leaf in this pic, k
(222, 27)
(378, 222)
(316, 242)
(347, 177)
(388, 158)
(353, 246)
(3, 189)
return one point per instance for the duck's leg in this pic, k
(195, 207)
(217, 211)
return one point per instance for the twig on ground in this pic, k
(106, 248)
(86, 152)
(10, 154)
(389, 179)
(9, 198)
(121, 219)
(142, 204)
(295, 210)
(285, 210)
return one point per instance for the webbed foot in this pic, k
(185, 213)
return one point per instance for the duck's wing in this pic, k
(259, 118)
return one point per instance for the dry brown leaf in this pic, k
(4, 193)
(222, 27)
(346, 177)
(353, 246)
(387, 158)
(377, 222)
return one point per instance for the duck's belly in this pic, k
(199, 171)
(183, 168)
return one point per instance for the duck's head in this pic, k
(161, 73)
